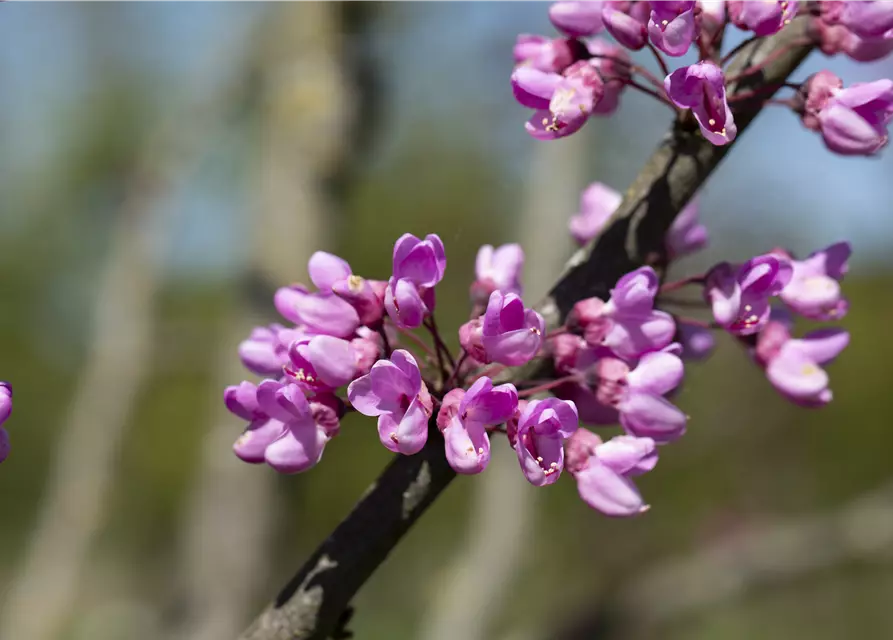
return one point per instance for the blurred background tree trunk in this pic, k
(308, 108)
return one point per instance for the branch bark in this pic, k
(310, 607)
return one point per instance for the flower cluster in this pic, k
(357, 333)
(5, 411)
(578, 74)
(354, 344)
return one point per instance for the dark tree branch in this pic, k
(310, 606)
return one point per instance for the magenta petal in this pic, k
(823, 345)
(326, 269)
(273, 403)
(252, 444)
(634, 293)
(407, 436)
(675, 37)
(334, 360)
(649, 416)
(298, 449)
(609, 492)
(657, 373)
(326, 314)
(630, 337)
(628, 30)
(404, 304)
(723, 293)
(794, 373)
(487, 404)
(627, 454)
(362, 397)
(467, 446)
(534, 88)
(577, 19)
(543, 126)
(287, 300)
(240, 400)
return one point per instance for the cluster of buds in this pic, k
(740, 298)
(353, 344)
(362, 334)
(578, 74)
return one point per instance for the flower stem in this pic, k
(731, 54)
(419, 342)
(548, 385)
(651, 92)
(438, 342)
(660, 59)
(454, 376)
(384, 341)
(697, 323)
(678, 284)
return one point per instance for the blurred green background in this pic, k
(163, 166)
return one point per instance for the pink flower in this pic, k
(672, 27)
(285, 430)
(497, 270)
(603, 471)
(686, 235)
(854, 120)
(836, 38)
(867, 18)
(463, 418)
(573, 100)
(543, 427)
(740, 297)
(711, 16)
(636, 327)
(815, 94)
(627, 22)
(763, 18)
(701, 88)
(614, 64)
(697, 342)
(644, 411)
(511, 334)
(577, 19)
(322, 363)
(5, 411)
(597, 203)
(394, 392)
(418, 266)
(265, 351)
(365, 296)
(547, 54)
(794, 366)
(322, 312)
(814, 289)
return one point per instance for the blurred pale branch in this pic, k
(759, 557)
(116, 365)
(307, 85)
(479, 577)
(310, 606)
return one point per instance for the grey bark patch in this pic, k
(417, 490)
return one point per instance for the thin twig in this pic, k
(731, 54)
(660, 59)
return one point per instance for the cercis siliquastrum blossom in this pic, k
(619, 354)
(351, 344)
(5, 412)
(851, 120)
(577, 75)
